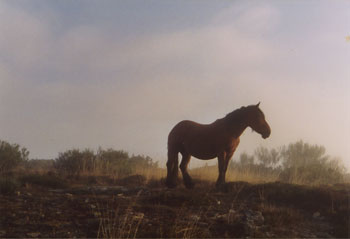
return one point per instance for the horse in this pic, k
(207, 141)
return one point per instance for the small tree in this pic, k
(246, 159)
(11, 155)
(307, 163)
(266, 157)
(74, 162)
(114, 162)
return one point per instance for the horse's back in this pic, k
(188, 132)
(180, 131)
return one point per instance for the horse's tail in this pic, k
(173, 160)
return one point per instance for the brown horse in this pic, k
(207, 141)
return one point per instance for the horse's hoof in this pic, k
(220, 186)
(189, 185)
(170, 184)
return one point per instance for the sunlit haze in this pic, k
(121, 74)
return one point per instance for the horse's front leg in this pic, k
(223, 160)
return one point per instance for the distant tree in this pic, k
(11, 155)
(246, 159)
(266, 157)
(307, 163)
(104, 161)
(300, 154)
(73, 162)
(114, 162)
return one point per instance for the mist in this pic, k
(90, 75)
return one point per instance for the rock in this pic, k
(194, 217)
(133, 180)
(252, 221)
(232, 216)
(205, 232)
(220, 217)
(254, 217)
(139, 215)
(249, 228)
(33, 234)
(202, 224)
(323, 235)
(97, 214)
(316, 215)
(231, 211)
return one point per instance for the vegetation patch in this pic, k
(47, 181)
(8, 185)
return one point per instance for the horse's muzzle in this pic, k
(266, 134)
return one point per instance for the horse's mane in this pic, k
(235, 115)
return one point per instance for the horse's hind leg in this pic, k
(173, 169)
(183, 166)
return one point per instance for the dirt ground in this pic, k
(149, 210)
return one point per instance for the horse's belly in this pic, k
(202, 151)
(204, 156)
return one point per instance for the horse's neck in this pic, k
(236, 127)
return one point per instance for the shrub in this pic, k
(105, 162)
(11, 155)
(73, 162)
(49, 181)
(298, 162)
(8, 185)
(305, 163)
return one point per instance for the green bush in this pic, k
(305, 163)
(73, 162)
(103, 162)
(8, 185)
(298, 162)
(47, 181)
(11, 155)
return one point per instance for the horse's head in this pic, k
(256, 120)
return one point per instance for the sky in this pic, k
(121, 74)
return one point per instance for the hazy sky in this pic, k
(121, 74)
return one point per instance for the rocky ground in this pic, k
(150, 210)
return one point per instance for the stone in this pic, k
(33, 234)
(194, 217)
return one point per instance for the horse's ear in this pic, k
(258, 104)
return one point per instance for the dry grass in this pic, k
(187, 224)
(151, 173)
(117, 223)
(210, 173)
(278, 216)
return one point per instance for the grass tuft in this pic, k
(47, 181)
(8, 185)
